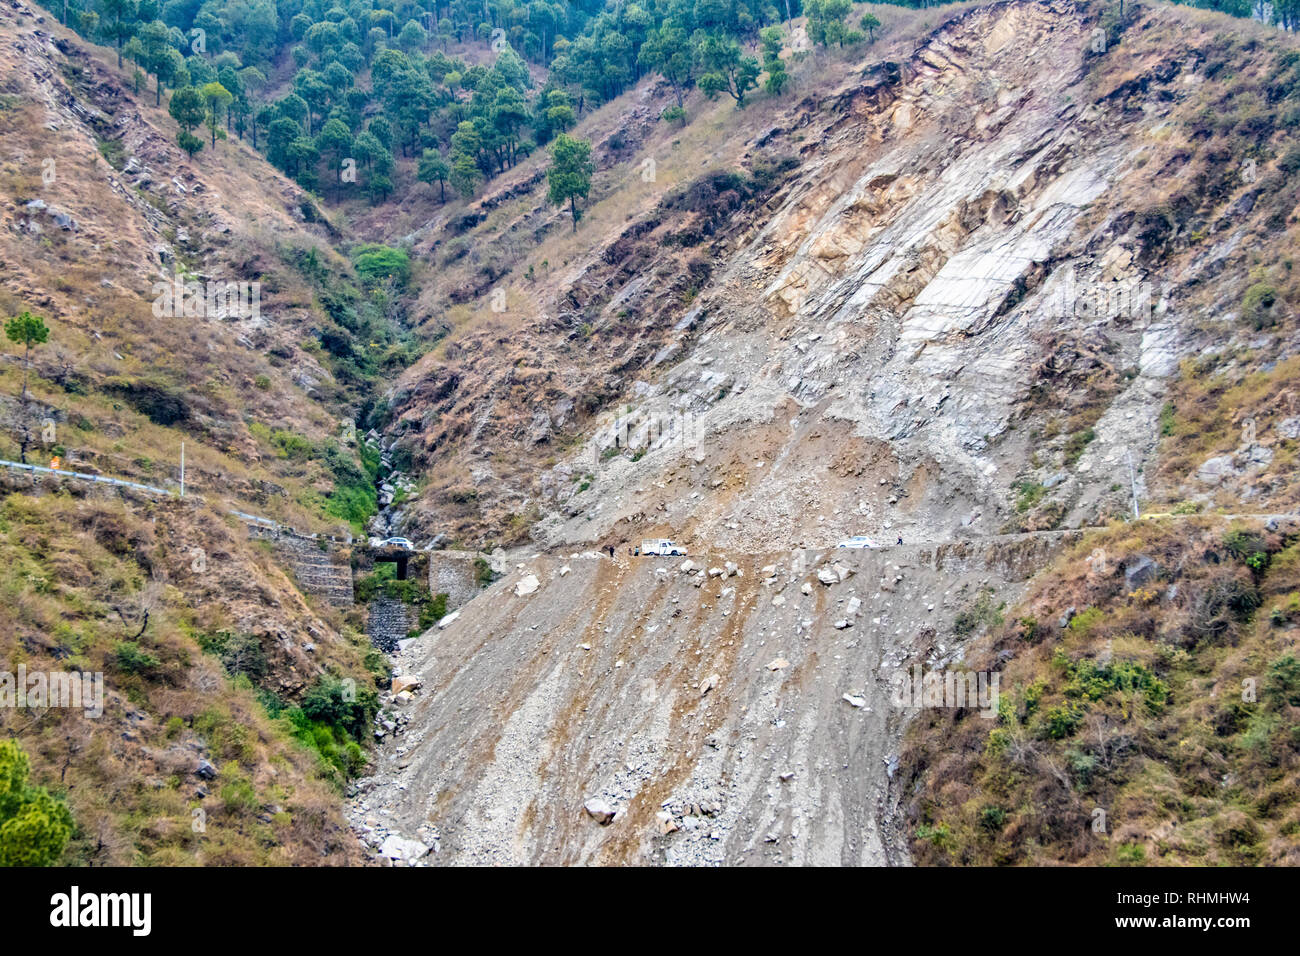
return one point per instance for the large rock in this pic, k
(527, 585)
(399, 848)
(405, 682)
(1138, 571)
(599, 810)
(1216, 470)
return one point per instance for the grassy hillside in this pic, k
(237, 707)
(1150, 681)
(219, 660)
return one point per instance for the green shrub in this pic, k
(1257, 304)
(1030, 630)
(1090, 681)
(375, 262)
(34, 826)
(982, 614)
(1033, 696)
(1082, 765)
(1131, 853)
(999, 740)
(1283, 683)
(131, 659)
(1087, 619)
(1063, 720)
(1167, 419)
(340, 705)
(993, 818)
(237, 791)
(1076, 443)
(352, 503)
(293, 446)
(113, 151)
(939, 835)
(271, 702)
(331, 744)
(1028, 494)
(1248, 547)
(240, 654)
(431, 612)
(384, 581)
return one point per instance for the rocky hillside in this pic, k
(225, 737)
(724, 709)
(1014, 271)
(976, 289)
(1149, 691)
(948, 287)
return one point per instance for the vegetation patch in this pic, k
(1169, 707)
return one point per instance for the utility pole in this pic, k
(182, 469)
(1132, 480)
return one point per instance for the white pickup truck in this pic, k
(661, 546)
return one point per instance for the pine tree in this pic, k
(569, 177)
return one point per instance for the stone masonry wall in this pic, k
(452, 573)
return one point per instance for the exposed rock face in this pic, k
(957, 239)
(941, 320)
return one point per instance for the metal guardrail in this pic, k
(278, 528)
(98, 479)
(153, 489)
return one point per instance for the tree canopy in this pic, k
(34, 826)
(569, 178)
(374, 81)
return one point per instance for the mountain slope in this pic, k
(1014, 280)
(871, 277)
(217, 743)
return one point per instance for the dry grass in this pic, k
(81, 574)
(1159, 738)
(1222, 404)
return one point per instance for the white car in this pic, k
(858, 541)
(661, 546)
(403, 543)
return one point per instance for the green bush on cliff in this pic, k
(34, 826)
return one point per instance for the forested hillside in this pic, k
(337, 93)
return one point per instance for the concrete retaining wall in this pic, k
(453, 573)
